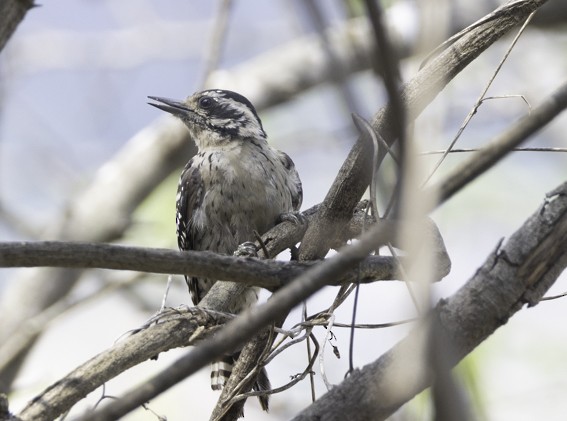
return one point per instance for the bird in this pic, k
(235, 185)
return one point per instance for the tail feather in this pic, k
(222, 369)
(262, 384)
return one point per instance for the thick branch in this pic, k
(354, 175)
(12, 12)
(177, 331)
(516, 274)
(268, 274)
(223, 351)
(102, 212)
(236, 332)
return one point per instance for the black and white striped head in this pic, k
(215, 117)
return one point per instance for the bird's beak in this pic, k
(170, 105)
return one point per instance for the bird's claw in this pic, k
(247, 249)
(295, 217)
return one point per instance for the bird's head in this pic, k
(215, 117)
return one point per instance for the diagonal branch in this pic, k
(421, 90)
(182, 329)
(245, 326)
(499, 147)
(516, 274)
(440, 72)
(354, 175)
(12, 12)
(103, 211)
(508, 277)
(233, 336)
(550, 244)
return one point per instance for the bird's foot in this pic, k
(294, 217)
(247, 249)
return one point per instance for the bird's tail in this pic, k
(222, 369)
(263, 384)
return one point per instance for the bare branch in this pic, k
(249, 323)
(489, 155)
(103, 211)
(181, 329)
(525, 149)
(354, 175)
(480, 99)
(12, 12)
(465, 318)
(520, 272)
(268, 274)
(218, 37)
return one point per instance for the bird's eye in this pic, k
(205, 102)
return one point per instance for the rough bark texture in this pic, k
(345, 193)
(12, 12)
(516, 274)
(182, 329)
(507, 280)
(102, 212)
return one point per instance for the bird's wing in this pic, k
(190, 191)
(293, 180)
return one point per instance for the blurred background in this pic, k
(73, 85)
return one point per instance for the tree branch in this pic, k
(103, 211)
(233, 336)
(417, 98)
(12, 12)
(268, 274)
(354, 175)
(518, 273)
(180, 329)
(499, 147)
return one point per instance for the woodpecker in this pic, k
(236, 184)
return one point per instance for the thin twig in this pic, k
(296, 378)
(328, 334)
(522, 97)
(554, 297)
(309, 355)
(279, 348)
(214, 50)
(499, 147)
(352, 330)
(375, 325)
(166, 293)
(480, 99)
(526, 149)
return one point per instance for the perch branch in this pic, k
(516, 274)
(343, 195)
